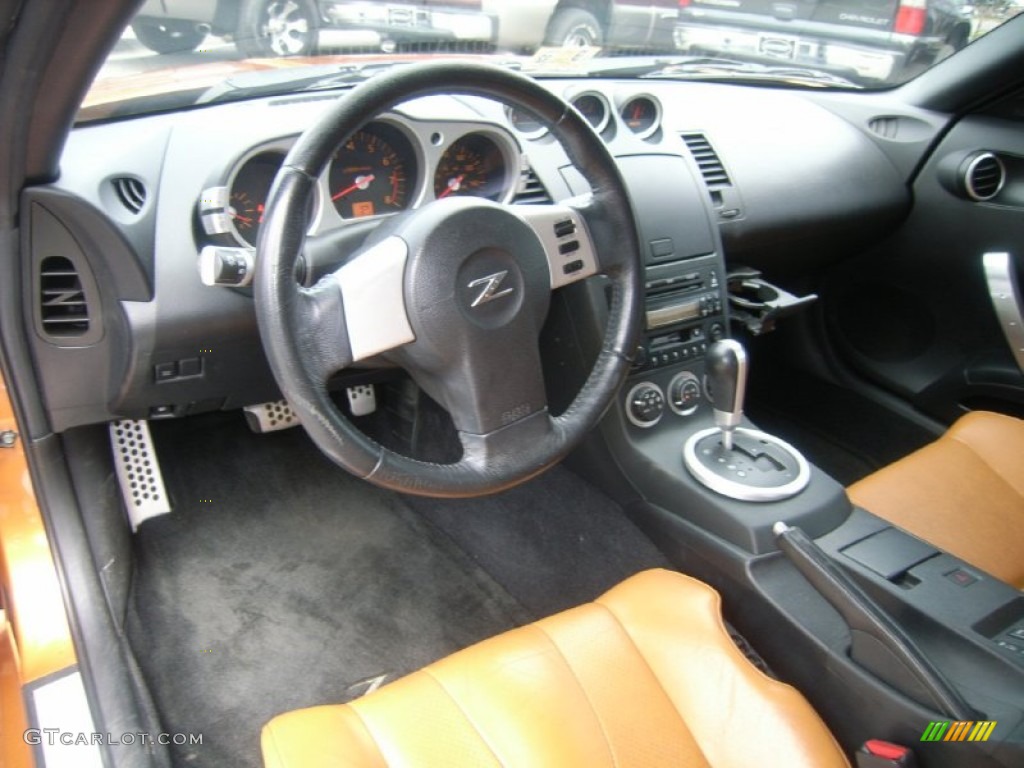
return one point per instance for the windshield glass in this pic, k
(181, 52)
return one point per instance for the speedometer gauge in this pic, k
(374, 172)
(473, 165)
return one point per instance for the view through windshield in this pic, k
(175, 50)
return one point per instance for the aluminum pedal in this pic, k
(270, 417)
(138, 471)
(362, 399)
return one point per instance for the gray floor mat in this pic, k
(279, 581)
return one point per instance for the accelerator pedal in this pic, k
(270, 417)
(138, 471)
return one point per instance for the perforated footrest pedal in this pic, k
(270, 417)
(138, 471)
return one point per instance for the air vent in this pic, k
(888, 127)
(131, 192)
(63, 311)
(708, 162)
(984, 176)
(531, 191)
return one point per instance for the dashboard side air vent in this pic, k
(983, 176)
(130, 192)
(886, 126)
(710, 165)
(63, 309)
(531, 191)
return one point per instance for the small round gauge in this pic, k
(594, 108)
(642, 115)
(248, 193)
(372, 173)
(525, 122)
(472, 165)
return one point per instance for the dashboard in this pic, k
(718, 175)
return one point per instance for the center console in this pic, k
(710, 488)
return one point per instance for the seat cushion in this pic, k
(645, 675)
(963, 493)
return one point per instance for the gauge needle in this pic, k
(361, 182)
(454, 185)
(236, 215)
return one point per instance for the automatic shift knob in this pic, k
(726, 370)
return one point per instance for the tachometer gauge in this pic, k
(473, 165)
(373, 173)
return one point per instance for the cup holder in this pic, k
(758, 304)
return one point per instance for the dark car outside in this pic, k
(868, 41)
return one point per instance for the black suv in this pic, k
(864, 40)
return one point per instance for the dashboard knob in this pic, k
(645, 404)
(684, 393)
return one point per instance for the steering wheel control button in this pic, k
(565, 228)
(758, 468)
(684, 393)
(645, 405)
(566, 242)
(228, 267)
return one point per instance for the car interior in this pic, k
(685, 414)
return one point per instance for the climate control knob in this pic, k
(645, 404)
(684, 393)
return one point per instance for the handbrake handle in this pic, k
(876, 640)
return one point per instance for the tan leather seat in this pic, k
(644, 676)
(964, 493)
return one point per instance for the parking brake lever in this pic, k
(877, 642)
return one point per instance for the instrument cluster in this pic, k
(387, 166)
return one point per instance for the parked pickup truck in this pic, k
(291, 27)
(870, 41)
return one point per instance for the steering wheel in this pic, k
(455, 292)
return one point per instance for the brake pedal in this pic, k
(138, 471)
(362, 399)
(270, 417)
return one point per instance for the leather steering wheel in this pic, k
(455, 292)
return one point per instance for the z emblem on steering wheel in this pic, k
(490, 291)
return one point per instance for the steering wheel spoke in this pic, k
(565, 235)
(530, 434)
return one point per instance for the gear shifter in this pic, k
(740, 462)
(726, 366)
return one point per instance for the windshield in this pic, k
(181, 52)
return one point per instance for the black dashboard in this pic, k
(778, 180)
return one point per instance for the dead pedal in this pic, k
(138, 471)
(270, 417)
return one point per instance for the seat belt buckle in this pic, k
(876, 753)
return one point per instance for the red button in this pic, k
(885, 750)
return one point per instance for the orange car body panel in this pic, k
(35, 640)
